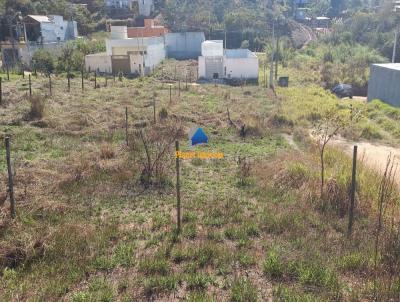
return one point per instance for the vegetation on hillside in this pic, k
(92, 227)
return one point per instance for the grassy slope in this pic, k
(86, 230)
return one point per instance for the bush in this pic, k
(370, 132)
(43, 61)
(37, 103)
(245, 44)
(163, 114)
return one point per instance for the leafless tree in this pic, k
(327, 128)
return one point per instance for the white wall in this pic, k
(246, 68)
(58, 28)
(137, 63)
(99, 62)
(202, 67)
(186, 45)
(122, 46)
(155, 55)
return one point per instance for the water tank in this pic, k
(213, 48)
(119, 32)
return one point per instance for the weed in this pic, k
(123, 254)
(243, 291)
(106, 151)
(273, 267)
(199, 297)
(285, 294)
(153, 266)
(198, 281)
(157, 284)
(353, 262)
(190, 231)
(245, 259)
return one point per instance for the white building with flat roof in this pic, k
(217, 63)
(127, 55)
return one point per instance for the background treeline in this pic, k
(90, 17)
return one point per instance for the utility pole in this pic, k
(271, 71)
(396, 33)
(276, 58)
(225, 39)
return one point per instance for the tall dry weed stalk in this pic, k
(386, 197)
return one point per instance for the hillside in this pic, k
(91, 227)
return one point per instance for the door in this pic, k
(121, 64)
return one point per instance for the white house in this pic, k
(38, 32)
(48, 29)
(146, 7)
(217, 63)
(127, 55)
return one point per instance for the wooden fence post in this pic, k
(50, 84)
(126, 126)
(69, 82)
(178, 189)
(30, 85)
(170, 93)
(179, 88)
(186, 82)
(1, 90)
(106, 81)
(352, 192)
(10, 178)
(95, 80)
(8, 73)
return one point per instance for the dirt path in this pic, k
(375, 155)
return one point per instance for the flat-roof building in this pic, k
(384, 83)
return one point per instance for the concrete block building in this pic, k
(39, 32)
(127, 55)
(217, 63)
(47, 29)
(384, 83)
(185, 45)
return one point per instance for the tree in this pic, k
(43, 61)
(327, 127)
(245, 44)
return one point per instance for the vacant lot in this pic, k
(95, 223)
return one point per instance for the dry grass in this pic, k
(37, 109)
(89, 229)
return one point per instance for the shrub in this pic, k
(278, 120)
(43, 61)
(370, 132)
(37, 109)
(163, 114)
(106, 151)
